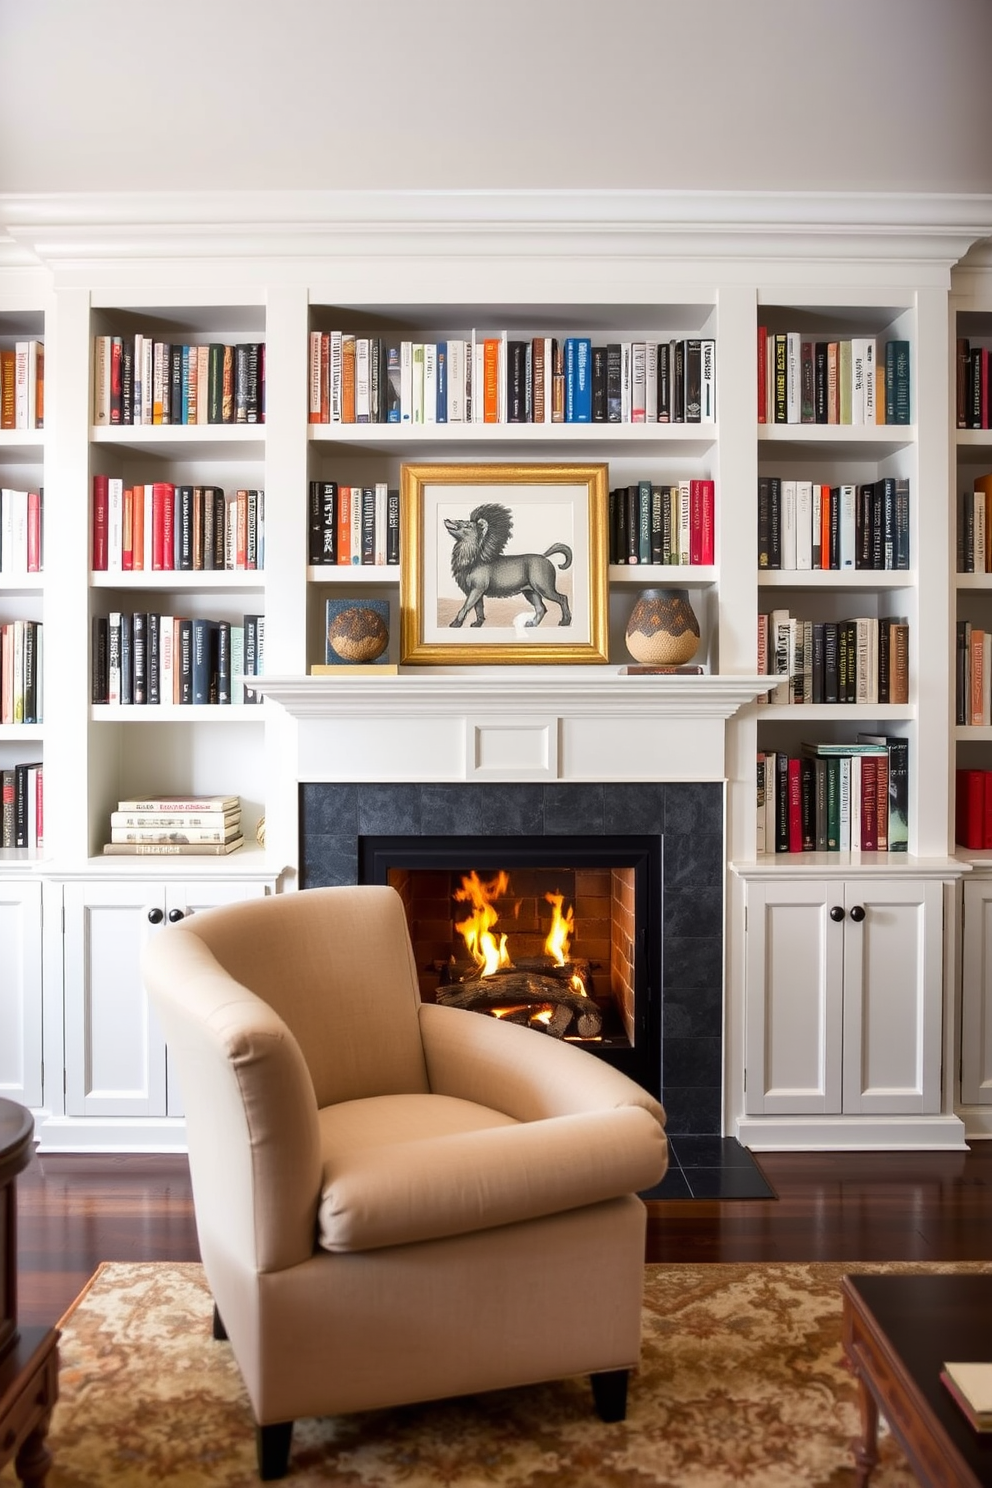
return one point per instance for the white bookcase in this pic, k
(614, 269)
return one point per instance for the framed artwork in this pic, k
(503, 563)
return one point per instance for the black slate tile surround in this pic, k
(687, 816)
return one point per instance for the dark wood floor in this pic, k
(75, 1211)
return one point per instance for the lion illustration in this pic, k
(480, 567)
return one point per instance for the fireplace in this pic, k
(561, 934)
(674, 830)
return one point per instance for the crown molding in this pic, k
(74, 229)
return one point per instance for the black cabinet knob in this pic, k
(174, 915)
(155, 916)
(837, 913)
(858, 913)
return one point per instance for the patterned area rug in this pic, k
(741, 1381)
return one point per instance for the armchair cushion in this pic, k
(399, 1169)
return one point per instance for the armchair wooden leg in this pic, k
(272, 1445)
(609, 1391)
(220, 1332)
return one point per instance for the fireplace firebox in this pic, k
(561, 934)
(685, 817)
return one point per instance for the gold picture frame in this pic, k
(542, 528)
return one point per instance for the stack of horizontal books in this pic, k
(180, 826)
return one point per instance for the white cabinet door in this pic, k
(893, 994)
(794, 999)
(115, 1050)
(115, 1053)
(976, 993)
(20, 991)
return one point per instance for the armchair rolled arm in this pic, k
(515, 1070)
(251, 1112)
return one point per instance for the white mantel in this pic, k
(510, 723)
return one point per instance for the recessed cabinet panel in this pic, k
(892, 998)
(20, 992)
(976, 994)
(115, 1054)
(793, 1000)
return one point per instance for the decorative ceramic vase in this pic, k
(357, 634)
(662, 629)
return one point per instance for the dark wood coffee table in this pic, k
(29, 1379)
(898, 1333)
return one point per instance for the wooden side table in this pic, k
(29, 1379)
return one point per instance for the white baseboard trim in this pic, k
(851, 1133)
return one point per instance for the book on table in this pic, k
(970, 1385)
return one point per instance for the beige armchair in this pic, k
(392, 1197)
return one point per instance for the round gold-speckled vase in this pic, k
(663, 629)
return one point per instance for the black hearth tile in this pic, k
(694, 1151)
(328, 808)
(672, 1186)
(328, 861)
(389, 810)
(693, 1061)
(513, 810)
(634, 809)
(452, 810)
(693, 911)
(691, 961)
(728, 1183)
(692, 1012)
(693, 859)
(573, 810)
(693, 807)
(693, 1109)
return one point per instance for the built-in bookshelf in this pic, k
(871, 543)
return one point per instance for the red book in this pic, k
(116, 400)
(969, 808)
(101, 502)
(762, 374)
(869, 803)
(709, 523)
(695, 521)
(987, 830)
(163, 513)
(795, 805)
(34, 532)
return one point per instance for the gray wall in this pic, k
(751, 94)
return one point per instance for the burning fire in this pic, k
(486, 951)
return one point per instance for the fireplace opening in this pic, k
(561, 934)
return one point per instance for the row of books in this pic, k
(973, 809)
(22, 385)
(835, 797)
(21, 805)
(803, 524)
(973, 675)
(974, 529)
(972, 385)
(143, 658)
(169, 826)
(22, 671)
(510, 380)
(353, 524)
(21, 532)
(161, 526)
(855, 380)
(143, 380)
(652, 523)
(859, 661)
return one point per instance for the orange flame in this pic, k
(488, 952)
(562, 929)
